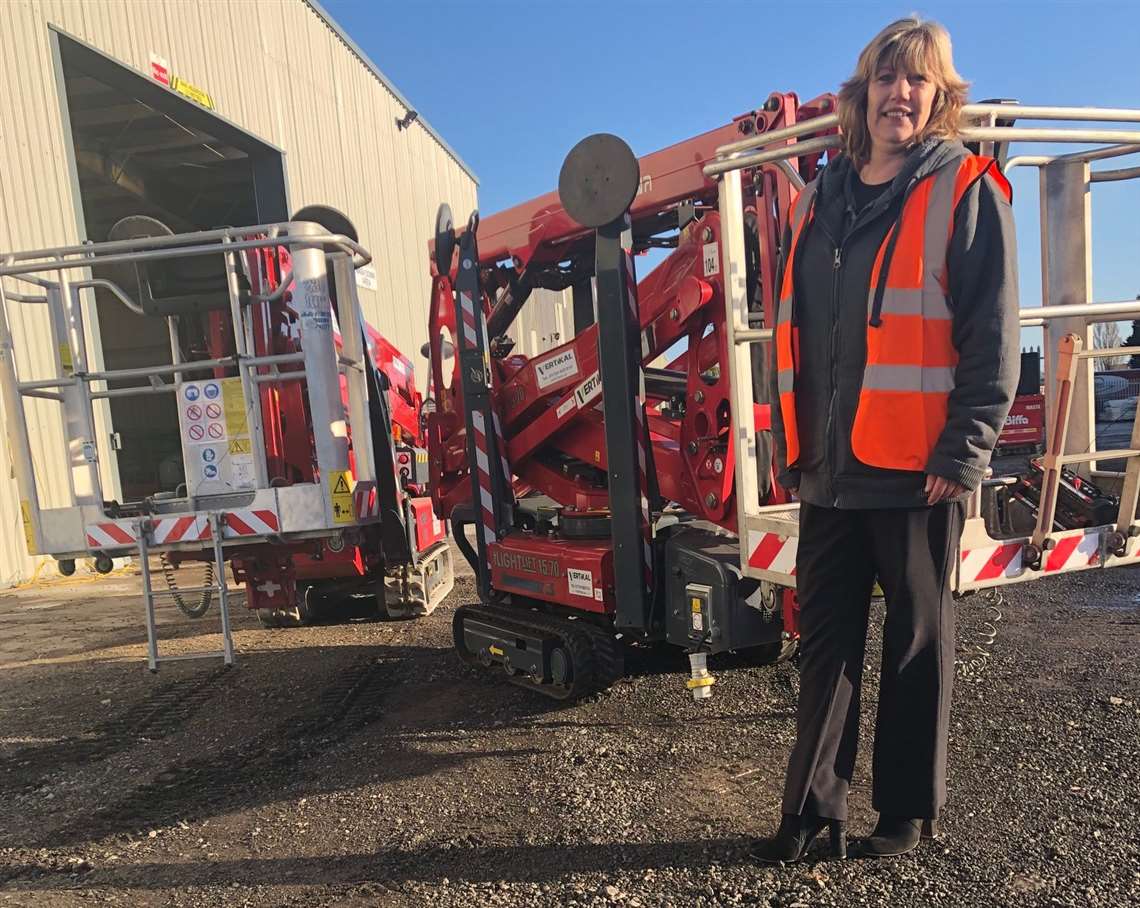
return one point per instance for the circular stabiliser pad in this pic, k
(332, 220)
(137, 227)
(444, 239)
(599, 180)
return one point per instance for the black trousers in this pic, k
(841, 552)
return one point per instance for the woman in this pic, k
(896, 363)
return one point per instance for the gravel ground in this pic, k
(361, 764)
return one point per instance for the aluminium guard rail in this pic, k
(266, 510)
(768, 533)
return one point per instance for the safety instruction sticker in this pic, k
(316, 314)
(29, 529)
(340, 496)
(233, 405)
(558, 367)
(216, 444)
(581, 583)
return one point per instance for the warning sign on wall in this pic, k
(160, 71)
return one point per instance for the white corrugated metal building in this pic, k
(269, 107)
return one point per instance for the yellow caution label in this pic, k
(193, 92)
(29, 529)
(495, 650)
(695, 604)
(340, 496)
(65, 359)
(233, 403)
(241, 446)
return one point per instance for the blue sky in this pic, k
(512, 85)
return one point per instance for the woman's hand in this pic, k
(940, 489)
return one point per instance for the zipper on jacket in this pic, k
(850, 228)
(833, 387)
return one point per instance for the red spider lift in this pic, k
(620, 485)
(619, 443)
(301, 457)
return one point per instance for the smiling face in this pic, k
(899, 101)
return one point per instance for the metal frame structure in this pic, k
(263, 512)
(768, 534)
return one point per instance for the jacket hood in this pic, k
(921, 161)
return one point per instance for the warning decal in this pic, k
(340, 496)
(29, 530)
(233, 402)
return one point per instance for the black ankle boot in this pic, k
(795, 835)
(898, 835)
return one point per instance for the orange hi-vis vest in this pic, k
(911, 357)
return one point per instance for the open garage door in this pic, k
(140, 149)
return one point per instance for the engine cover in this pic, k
(573, 573)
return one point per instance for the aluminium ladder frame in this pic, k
(768, 534)
(265, 514)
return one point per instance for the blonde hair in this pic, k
(908, 45)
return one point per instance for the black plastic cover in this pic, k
(702, 564)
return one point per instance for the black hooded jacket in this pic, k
(833, 262)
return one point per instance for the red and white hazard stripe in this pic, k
(772, 552)
(467, 305)
(473, 320)
(250, 522)
(483, 472)
(1072, 552)
(500, 445)
(111, 534)
(639, 406)
(182, 528)
(366, 500)
(991, 562)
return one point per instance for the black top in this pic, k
(863, 194)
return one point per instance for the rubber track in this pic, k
(609, 659)
(608, 656)
(194, 787)
(596, 654)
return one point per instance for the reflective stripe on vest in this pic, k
(911, 358)
(787, 335)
